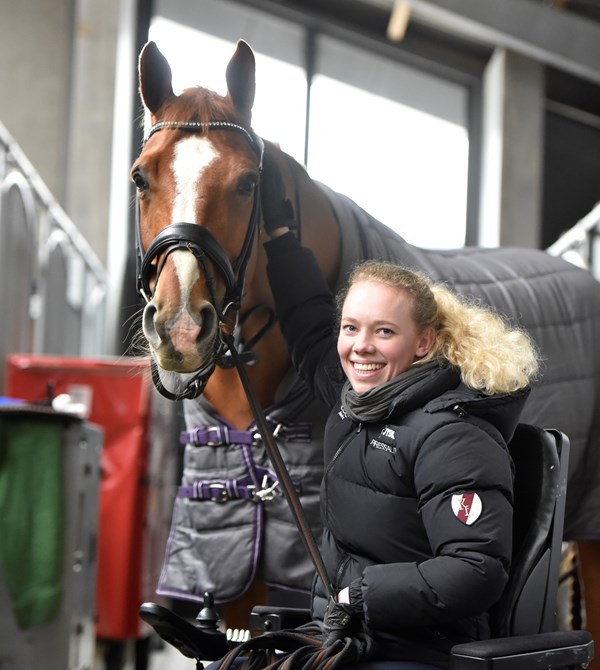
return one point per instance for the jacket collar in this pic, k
(444, 391)
(502, 410)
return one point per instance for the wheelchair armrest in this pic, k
(525, 652)
(190, 640)
(264, 618)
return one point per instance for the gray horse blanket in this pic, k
(223, 538)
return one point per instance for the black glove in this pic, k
(339, 623)
(277, 211)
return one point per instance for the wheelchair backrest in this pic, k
(528, 604)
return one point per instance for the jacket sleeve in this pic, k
(463, 480)
(306, 313)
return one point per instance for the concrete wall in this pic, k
(35, 73)
(57, 82)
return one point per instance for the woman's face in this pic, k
(378, 338)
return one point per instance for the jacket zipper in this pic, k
(337, 454)
(341, 448)
(344, 562)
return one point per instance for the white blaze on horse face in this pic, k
(192, 156)
(186, 267)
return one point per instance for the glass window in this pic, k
(392, 139)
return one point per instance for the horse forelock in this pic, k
(201, 105)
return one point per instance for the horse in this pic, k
(202, 272)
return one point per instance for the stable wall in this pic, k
(57, 81)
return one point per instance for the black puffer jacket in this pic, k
(417, 508)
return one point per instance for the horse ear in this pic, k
(240, 77)
(155, 77)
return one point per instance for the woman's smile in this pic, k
(366, 367)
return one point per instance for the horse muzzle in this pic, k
(183, 341)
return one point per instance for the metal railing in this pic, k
(52, 285)
(580, 244)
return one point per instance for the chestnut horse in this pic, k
(202, 272)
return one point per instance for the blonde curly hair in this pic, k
(492, 356)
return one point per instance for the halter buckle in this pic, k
(220, 495)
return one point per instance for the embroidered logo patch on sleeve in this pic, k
(467, 507)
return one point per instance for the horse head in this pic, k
(197, 180)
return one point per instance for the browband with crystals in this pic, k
(198, 126)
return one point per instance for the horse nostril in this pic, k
(149, 325)
(207, 320)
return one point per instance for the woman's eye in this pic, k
(348, 328)
(386, 331)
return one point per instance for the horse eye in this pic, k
(140, 183)
(247, 184)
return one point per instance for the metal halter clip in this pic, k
(267, 492)
(277, 432)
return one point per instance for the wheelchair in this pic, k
(522, 622)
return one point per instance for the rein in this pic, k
(284, 477)
(204, 246)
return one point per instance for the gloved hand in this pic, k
(339, 622)
(277, 211)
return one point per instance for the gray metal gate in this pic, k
(52, 285)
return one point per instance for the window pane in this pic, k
(403, 164)
(390, 137)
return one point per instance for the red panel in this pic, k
(120, 401)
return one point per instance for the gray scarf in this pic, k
(374, 404)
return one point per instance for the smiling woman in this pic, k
(425, 392)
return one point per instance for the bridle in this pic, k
(198, 240)
(205, 247)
